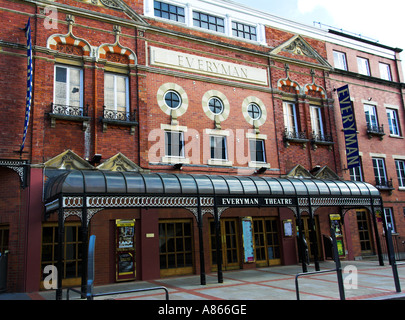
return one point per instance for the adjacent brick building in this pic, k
(133, 95)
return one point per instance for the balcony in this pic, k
(321, 139)
(119, 118)
(375, 130)
(70, 113)
(383, 184)
(295, 137)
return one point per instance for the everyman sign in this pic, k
(255, 202)
(349, 128)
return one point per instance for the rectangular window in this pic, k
(176, 246)
(72, 263)
(371, 117)
(356, 174)
(257, 152)
(244, 31)
(340, 60)
(400, 167)
(364, 66)
(174, 144)
(170, 12)
(4, 234)
(389, 219)
(209, 22)
(116, 95)
(385, 71)
(290, 119)
(392, 115)
(316, 122)
(218, 147)
(68, 86)
(379, 172)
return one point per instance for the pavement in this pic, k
(364, 280)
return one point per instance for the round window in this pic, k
(172, 99)
(216, 106)
(254, 111)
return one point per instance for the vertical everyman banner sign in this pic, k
(349, 128)
(29, 83)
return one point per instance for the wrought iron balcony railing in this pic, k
(116, 115)
(383, 184)
(294, 136)
(318, 137)
(119, 118)
(70, 113)
(375, 130)
(321, 139)
(66, 110)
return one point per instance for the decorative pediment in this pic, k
(298, 49)
(116, 52)
(68, 160)
(299, 172)
(326, 173)
(119, 162)
(69, 43)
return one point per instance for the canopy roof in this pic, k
(99, 182)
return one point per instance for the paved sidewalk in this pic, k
(272, 283)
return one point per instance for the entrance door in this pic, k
(267, 242)
(307, 233)
(229, 242)
(363, 225)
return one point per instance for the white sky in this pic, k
(379, 20)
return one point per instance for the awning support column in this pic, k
(61, 237)
(377, 236)
(84, 248)
(218, 244)
(301, 246)
(201, 239)
(313, 238)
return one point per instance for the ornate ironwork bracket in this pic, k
(19, 166)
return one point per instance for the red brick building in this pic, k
(170, 130)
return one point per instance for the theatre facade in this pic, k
(189, 138)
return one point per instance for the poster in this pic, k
(288, 229)
(247, 233)
(125, 250)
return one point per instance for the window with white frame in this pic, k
(257, 151)
(210, 22)
(380, 172)
(316, 122)
(356, 174)
(245, 31)
(371, 117)
(116, 95)
(385, 71)
(174, 144)
(68, 86)
(218, 147)
(290, 119)
(400, 167)
(392, 115)
(339, 59)
(389, 219)
(364, 66)
(169, 11)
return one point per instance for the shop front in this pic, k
(230, 221)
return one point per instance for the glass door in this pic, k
(267, 242)
(363, 225)
(229, 242)
(307, 234)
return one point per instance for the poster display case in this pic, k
(248, 244)
(125, 250)
(336, 224)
